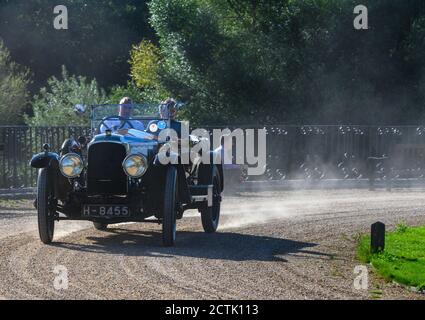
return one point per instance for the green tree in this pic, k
(53, 106)
(147, 70)
(130, 90)
(97, 43)
(238, 61)
(14, 81)
(138, 95)
(145, 64)
(289, 61)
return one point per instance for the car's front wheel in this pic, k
(45, 207)
(100, 226)
(169, 208)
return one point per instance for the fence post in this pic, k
(377, 237)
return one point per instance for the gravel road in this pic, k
(271, 245)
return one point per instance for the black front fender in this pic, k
(44, 160)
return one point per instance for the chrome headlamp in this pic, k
(71, 165)
(135, 165)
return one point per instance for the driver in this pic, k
(125, 111)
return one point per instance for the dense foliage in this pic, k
(293, 61)
(54, 104)
(14, 81)
(97, 43)
(235, 61)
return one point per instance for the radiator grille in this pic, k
(105, 174)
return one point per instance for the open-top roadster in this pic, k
(115, 176)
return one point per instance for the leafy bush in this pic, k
(138, 95)
(145, 64)
(53, 106)
(130, 90)
(14, 81)
(147, 71)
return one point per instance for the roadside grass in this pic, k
(403, 259)
(8, 203)
(15, 204)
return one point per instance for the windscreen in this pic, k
(143, 112)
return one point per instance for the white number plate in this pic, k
(106, 211)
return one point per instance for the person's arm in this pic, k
(108, 124)
(138, 125)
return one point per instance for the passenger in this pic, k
(168, 110)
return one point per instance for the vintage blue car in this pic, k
(115, 176)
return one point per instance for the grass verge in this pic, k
(403, 259)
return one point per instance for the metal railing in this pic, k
(19, 144)
(293, 152)
(342, 152)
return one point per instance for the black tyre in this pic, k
(100, 226)
(170, 208)
(211, 215)
(45, 211)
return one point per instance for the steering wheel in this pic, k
(123, 120)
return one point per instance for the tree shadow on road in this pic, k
(230, 246)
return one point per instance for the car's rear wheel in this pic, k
(170, 208)
(100, 226)
(45, 207)
(211, 215)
